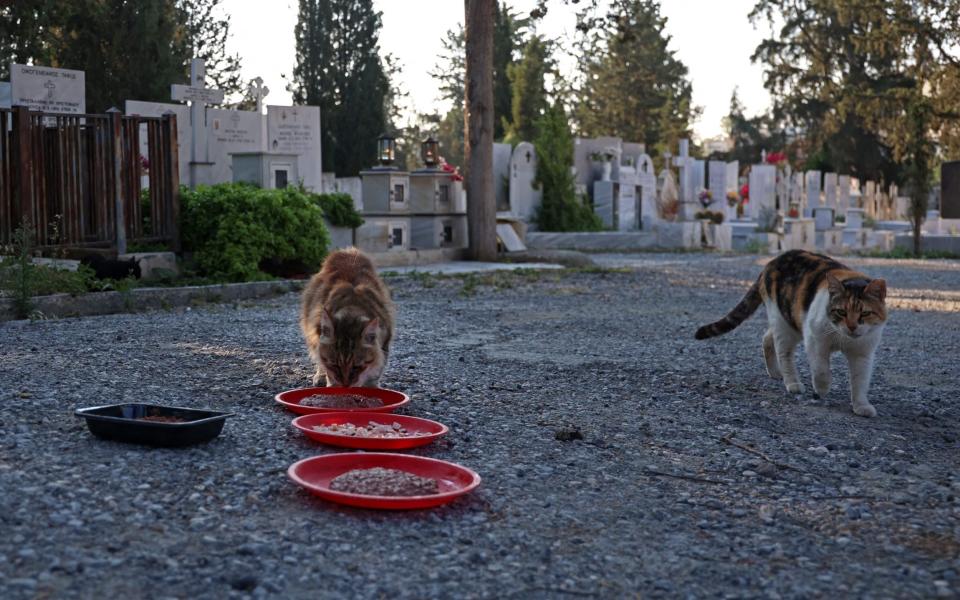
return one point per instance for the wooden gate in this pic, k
(75, 178)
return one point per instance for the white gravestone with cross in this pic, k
(524, 198)
(199, 97)
(296, 130)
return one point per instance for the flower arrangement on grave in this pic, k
(793, 213)
(451, 169)
(777, 158)
(733, 198)
(744, 199)
(144, 163)
(705, 197)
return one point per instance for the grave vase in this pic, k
(607, 170)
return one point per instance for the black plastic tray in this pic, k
(121, 422)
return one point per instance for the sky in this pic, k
(713, 39)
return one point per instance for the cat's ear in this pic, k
(835, 285)
(370, 331)
(876, 288)
(326, 327)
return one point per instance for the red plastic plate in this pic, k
(432, 429)
(316, 472)
(291, 399)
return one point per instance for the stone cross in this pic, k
(258, 91)
(198, 96)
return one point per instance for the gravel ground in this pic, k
(619, 456)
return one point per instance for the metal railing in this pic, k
(74, 178)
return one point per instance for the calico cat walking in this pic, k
(347, 321)
(816, 299)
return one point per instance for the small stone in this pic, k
(749, 473)
(818, 449)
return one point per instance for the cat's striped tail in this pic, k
(746, 307)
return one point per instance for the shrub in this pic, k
(560, 209)
(235, 228)
(338, 209)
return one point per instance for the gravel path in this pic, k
(696, 474)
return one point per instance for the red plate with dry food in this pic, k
(370, 431)
(320, 475)
(312, 400)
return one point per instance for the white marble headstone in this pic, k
(717, 184)
(296, 130)
(647, 180)
(6, 92)
(524, 198)
(812, 181)
(47, 89)
(763, 189)
(830, 190)
(231, 131)
(843, 193)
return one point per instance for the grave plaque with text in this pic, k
(47, 89)
(296, 130)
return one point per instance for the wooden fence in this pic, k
(73, 178)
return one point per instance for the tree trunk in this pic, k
(918, 211)
(478, 134)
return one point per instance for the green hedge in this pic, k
(338, 209)
(233, 229)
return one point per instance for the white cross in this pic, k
(198, 96)
(258, 91)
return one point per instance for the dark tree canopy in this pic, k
(632, 85)
(128, 50)
(339, 69)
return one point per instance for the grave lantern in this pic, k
(386, 149)
(430, 152)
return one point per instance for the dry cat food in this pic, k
(384, 482)
(371, 430)
(341, 401)
(162, 419)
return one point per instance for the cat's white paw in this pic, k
(795, 388)
(865, 410)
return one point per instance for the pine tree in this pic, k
(205, 35)
(339, 69)
(128, 50)
(528, 90)
(508, 39)
(632, 85)
(560, 209)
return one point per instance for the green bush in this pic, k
(560, 209)
(234, 228)
(338, 209)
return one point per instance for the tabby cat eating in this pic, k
(347, 321)
(816, 299)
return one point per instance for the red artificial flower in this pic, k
(775, 158)
(745, 192)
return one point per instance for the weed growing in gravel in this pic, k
(901, 253)
(424, 278)
(469, 288)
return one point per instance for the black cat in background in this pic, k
(112, 268)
